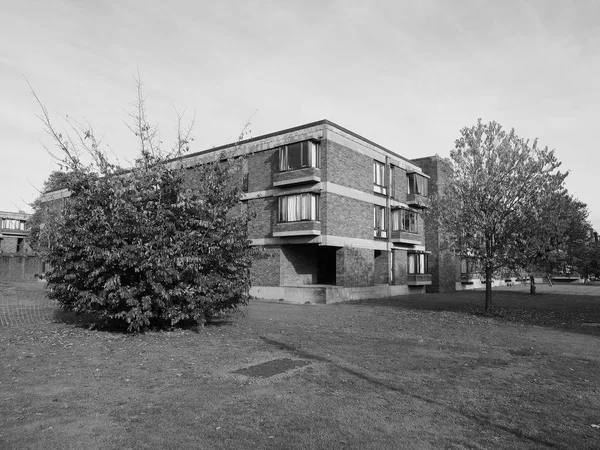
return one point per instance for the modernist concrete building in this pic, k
(337, 215)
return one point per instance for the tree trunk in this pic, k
(532, 285)
(488, 287)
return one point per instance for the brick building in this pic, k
(13, 233)
(17, 260)
(338, 216)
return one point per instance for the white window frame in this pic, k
(379, 185)
(379, 221)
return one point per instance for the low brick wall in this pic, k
(20, 268)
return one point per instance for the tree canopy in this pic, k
(502, 204)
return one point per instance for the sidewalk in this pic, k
(558, 288)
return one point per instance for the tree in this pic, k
(501, 186)
(560, 233)
(138, 244)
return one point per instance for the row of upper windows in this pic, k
(402, 220)
(13, 224)
(308, 154)
(305, 206)
(416, 183)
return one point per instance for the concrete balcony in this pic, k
(419, 279)
(417, 201)
(299, 176)
(404, 237)
(304, 228)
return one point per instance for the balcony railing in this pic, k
(419, 279)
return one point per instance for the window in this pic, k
(418, 263)
(299, 155)
(417, 184)
(379, 178)
(379, 221)
(13, 224)
(405, 220)
(294, 208)
(469, 265)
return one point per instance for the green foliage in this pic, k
(156, 244)
(498, 206)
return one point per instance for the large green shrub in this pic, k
(152, 245)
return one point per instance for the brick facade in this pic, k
(17, 259)
(330, 233)
(443, 265)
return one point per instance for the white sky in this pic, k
(405, 74)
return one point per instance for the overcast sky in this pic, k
(405, 74)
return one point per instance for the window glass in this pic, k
(418, 263)
(298, 155)
(378, 173)
(13, 224)
(418, 184)
(294, 208)
(405, 220)
(378, 217)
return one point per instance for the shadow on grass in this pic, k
(92, 321)
(480, 419)
(575, 313)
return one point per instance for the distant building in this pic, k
(13, 233)
(17, 259)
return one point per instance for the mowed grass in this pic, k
(415, 372)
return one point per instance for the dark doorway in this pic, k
(326, 265)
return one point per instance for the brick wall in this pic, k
(265, 269)
(265, 217)
(346, 167)
(443, 265)
(299, 264)
(261, 167)
(354, 267)
(8, 244)
(343, 216)
(381, 267)
(18, 268)
(400, 184)
(400, 266)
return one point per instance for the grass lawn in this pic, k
(415, 372)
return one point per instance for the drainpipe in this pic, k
(388, 210)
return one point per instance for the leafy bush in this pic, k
(156, 244)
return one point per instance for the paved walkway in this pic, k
(557, 288)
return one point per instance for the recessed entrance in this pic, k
(326, 265)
